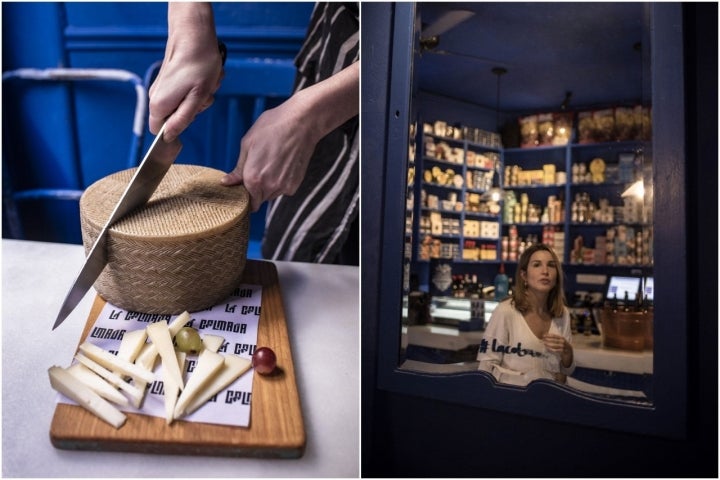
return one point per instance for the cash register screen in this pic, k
(649, 288)
(619, 285)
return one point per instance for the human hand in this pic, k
(276, 150)
(559, 345)
(191, 71)
(274, 153)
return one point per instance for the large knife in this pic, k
(147, 177)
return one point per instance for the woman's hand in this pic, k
(274, 153)
(276, 150)
(559, 345)
(191, 71)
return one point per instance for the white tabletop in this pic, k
(321, 306)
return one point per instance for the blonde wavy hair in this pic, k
(556, 297)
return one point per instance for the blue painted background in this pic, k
(69, 135)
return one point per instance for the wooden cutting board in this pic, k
(276, 424)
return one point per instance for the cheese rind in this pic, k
(233, 367)
(208, 364)
(118, 365)
(160, 336)
(96, 383)
(71, 387)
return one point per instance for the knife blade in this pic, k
(147, 177)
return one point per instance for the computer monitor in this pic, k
(617, 286)
(649, 290)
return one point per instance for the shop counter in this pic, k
(589, 351)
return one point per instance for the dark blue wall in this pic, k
(50, 129)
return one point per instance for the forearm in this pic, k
(191, 70)
(191, 26)
(331, 102)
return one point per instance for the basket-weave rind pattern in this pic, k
(184, 250)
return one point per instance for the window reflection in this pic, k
(577, 180)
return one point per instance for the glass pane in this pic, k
(512, 146)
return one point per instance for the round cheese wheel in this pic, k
(185, 249)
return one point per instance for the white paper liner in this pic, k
(235, 319)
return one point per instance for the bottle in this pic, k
(614, 304)
(474, 290)
(626, 302)
(640, 301)
(501, 284)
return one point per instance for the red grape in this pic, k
(264, 361)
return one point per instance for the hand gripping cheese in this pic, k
(185, 249)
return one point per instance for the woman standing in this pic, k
(528, 336)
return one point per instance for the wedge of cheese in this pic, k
(160, 336)
(97, 384)
(172, 390)
(233, 367)
(213, 342)
(131, 344)
(136, 394)
(208, 364)
(71, 387)
(117, 365)
(149, 353)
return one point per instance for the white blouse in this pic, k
(513, 354)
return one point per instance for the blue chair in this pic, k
(36, 211)
(249, 87)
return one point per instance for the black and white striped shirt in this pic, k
(313, 224)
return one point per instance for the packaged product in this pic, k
(528, 131)
(563, 123)
(545, 129)
(625, 126)
(604, 123)
(586, 126)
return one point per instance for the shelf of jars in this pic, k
(596, 225)
(456, 220)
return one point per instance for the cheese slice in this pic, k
(233, 367)
(148, 356)
(71, 387)
(97, 384)
(213, 342)
(149, 353)
(160, 336)
(118, 365)
(131, 344)
(208, 364)
(113, 378)
(172, 390)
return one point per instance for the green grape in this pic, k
(188, 340)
